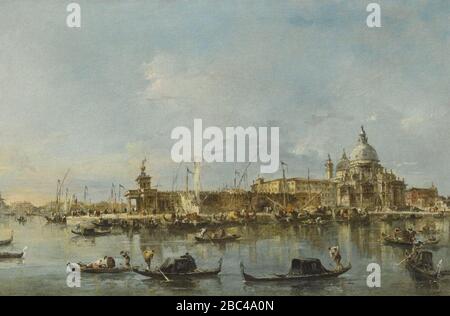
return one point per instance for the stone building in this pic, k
(422, 197)
(361, 181)
(146, 198)
(316, 191)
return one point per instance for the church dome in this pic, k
(363, 151)
(343, 163)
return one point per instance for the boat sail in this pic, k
(190, 202)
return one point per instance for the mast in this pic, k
(85, 194)
(58, 184)
(284, 182)
(197, 180)
(309, 186)
(187, 179)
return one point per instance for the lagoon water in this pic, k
(264, 249)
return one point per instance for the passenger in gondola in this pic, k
(202, 232)
(97, 264)
(126, 256)
(110, 262)
(397, 233)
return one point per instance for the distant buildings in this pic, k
(358, 181)
(422, 197)
(310, 191)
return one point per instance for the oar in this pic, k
(167, 279)
(402, 261)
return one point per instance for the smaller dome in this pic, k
(343, 163)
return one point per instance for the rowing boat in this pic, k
(13, 255)
(403, 242)
(7, 241)
(301, 269)
(84, 268)
(91, 232)
(56, 219)
(163, 273)
(227, 238)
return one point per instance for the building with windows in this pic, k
(422, 197)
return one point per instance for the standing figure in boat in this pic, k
(335, 255)
(148, 257)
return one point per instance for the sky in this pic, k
(98, 99)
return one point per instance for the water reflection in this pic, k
(264, 249)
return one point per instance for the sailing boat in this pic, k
(190, 203)
(56, 216)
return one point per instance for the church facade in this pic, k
(361, 181)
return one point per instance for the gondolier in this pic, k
(336, 256)
(148, 256)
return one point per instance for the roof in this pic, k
(363, 151)
(344, 163)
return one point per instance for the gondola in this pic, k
(301, 269)
(227, 238)
(85, 269)
(178, 268)
(13, 255)
(7, 241)
(421, 266)
(402, 242)
(90, 232)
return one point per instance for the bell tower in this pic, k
(329, 168)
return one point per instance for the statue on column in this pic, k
(143, 165)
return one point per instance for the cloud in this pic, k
(412, 122)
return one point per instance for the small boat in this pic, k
(13, 255)
(420, 264)
(7, 241)
(404, 242)
(91, 232)
(227, 238)
(301, 269)
(56, 219)
(104, 223)
(84, 268)
(175, 268)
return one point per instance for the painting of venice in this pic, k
(232, 148)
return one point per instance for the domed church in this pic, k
(361, 181)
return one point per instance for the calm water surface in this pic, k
(263, 249)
